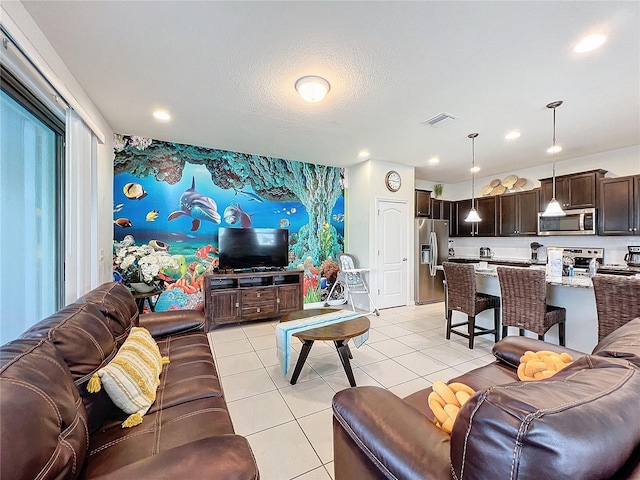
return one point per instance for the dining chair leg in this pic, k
(449, 315)
(505, 331)
(472, 330)
(561, 333)
(541, 337)
(496, 324)
(521, 332)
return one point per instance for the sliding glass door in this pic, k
(31, 223)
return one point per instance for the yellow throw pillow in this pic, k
(445, 402)
(132, 377)
(542, 364)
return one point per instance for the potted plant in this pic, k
(140, 266)
(437, 190)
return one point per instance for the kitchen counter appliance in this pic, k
(633, 257)
(581, 258)
(485, 252)
(575, 222)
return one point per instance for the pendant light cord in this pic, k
(553, 155)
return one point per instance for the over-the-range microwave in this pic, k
(576, 222)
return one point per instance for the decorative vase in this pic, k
(141, 287)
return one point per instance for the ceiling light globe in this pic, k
(554, 209)
(312, 89)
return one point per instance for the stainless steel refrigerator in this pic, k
(432, 248)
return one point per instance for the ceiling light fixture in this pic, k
(312, 89)
(554, 209)
(475, 169)
(363, 154)
(434, 160)
(590, 42)
(512, 135)
(161, 115)
(473, 215)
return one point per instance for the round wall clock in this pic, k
(393, 181)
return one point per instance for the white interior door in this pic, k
(392, 253)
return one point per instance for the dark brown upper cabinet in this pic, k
(619, 206)
(486, 208)
(518, 213)
(578, 190)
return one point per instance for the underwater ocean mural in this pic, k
(174, 197)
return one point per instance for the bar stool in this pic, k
(524, 303)
(617, 301)
(462, 297)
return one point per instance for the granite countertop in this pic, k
(514, 261)
(619, 269)
(576, 282)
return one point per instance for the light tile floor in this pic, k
(289, 427)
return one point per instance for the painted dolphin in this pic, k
(233, 213)
(251, 196)
(196, 206)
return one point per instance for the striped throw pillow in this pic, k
(132, 377)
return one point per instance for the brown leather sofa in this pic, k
(582, 423)
(52, 428)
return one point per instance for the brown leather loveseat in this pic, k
(51, 427)
(582, 423)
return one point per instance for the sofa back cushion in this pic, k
(81, 334)
(43, 423)
(581, 423)
(622, 343)
(118, 306)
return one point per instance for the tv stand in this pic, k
(244, 296)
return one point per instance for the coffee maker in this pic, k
(633, 257)
(534, 250)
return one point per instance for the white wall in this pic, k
(15, 14)
(365, 186)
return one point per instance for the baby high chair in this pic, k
(350, 278)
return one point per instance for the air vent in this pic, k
(441, 119)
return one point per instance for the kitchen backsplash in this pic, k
(615, 248)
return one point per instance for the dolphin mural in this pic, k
(196, 206)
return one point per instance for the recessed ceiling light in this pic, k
(512, 135)
(161, 115)
(554, 149)
(475, 169)
(434, 160)
(590, 42)
(312, 89)
(363, 154)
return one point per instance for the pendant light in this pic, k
(473, 215)
(554, 209)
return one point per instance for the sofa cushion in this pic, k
(43, 423)
(81, 335)
(117, 304)
(581, 423)
(132, 377)
(622, 343)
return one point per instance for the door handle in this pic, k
(404, 259)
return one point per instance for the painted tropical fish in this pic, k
(339, 217)
(234, 213)
(159, 245)
(284, 223)
(134, 191)
(152, 215)
(198, 207)
(118, 207)
(205, 251)
(251, 196)
(123, 222)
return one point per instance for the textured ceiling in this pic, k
(226, 72)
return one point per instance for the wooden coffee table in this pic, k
(338, 333)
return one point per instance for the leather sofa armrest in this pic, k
(379, 435)
(221, 457)
(511, 348)
(171, 322)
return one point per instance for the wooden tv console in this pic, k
(240, 297)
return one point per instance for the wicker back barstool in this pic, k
(617, 301)
(462, 297)
(524, 303)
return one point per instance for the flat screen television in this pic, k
(245, 248)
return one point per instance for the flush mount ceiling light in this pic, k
(434, 160)
(363, 154)
(473, 215)
(312, 89)
(512, 135)
(554, 209)
(162, 115)
(590, 42)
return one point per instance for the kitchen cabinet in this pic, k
(443, 210)
(619, 206)
(578, 190)
(486, 208)
(423, 203)
(518, 214)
